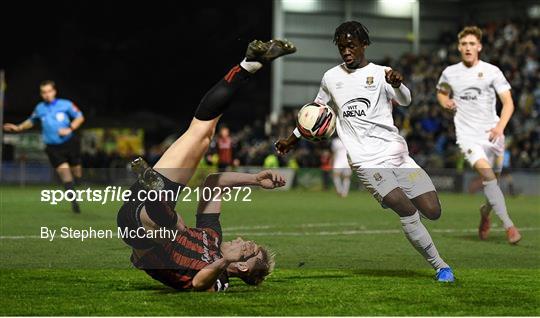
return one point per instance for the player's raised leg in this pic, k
(495, 198)
(179, 162)
(416, 232)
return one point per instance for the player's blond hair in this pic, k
(263, 267)
(470, 30)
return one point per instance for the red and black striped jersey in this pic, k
(177, 262)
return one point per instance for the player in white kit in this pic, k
(341, 171)
(470, 89)
(362, 94)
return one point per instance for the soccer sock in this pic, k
(419, 237)
(74, 204)
(161, 213)
(252, 66)
(219, 97)
(337, 184)
(495, 198)
(69, 185)
(346, 185)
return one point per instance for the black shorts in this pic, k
(69, 151)
(129, 214)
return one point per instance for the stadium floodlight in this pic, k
(301, 5)
(395, 8)
(534, 11)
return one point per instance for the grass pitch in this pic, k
(334, 257)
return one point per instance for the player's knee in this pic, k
(203, 130)
(432, 212)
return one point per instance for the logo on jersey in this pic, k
(480, 74)
(356, 107)
(339, 85)
(470, 93)
(369, 83)
(60, 116)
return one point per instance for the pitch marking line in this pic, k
(363, 232)
(320, 233)
(308, 225)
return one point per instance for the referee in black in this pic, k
(59, 118)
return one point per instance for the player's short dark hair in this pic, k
(47, 82)
(262, 269)
(471, 30)
(354, 28)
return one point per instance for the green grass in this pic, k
(334, 257)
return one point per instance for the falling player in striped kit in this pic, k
(469, 88)
(341, 171)
(362, 94)
(197, 259)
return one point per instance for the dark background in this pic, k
(131, 64)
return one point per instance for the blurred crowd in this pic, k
(514, 46)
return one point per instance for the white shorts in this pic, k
(474, 150)
(398, 172)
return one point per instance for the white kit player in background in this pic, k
(362, 95)
(469, 88)
(341, 172)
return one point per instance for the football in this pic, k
(316, 122)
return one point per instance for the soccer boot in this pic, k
(485, 222)
(75, 207)
(265, 52)
(147, 177)
(445, 275)
(513, 235)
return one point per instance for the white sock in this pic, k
(337, 184)
(495, 198)
(252, 66)
(346, 185)
(419, 237)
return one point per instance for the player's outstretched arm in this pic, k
(216, 182)
(286, 144)
(25, 125)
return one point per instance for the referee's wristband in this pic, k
(296, 132)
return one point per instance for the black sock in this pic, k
(161, 213)
(69, 185)
(74, 204)
(219, 97)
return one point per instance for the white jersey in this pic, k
(339, 153)
(362, 100)
(474, 91)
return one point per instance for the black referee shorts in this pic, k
(69, 151)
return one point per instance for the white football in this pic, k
(316, 122)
